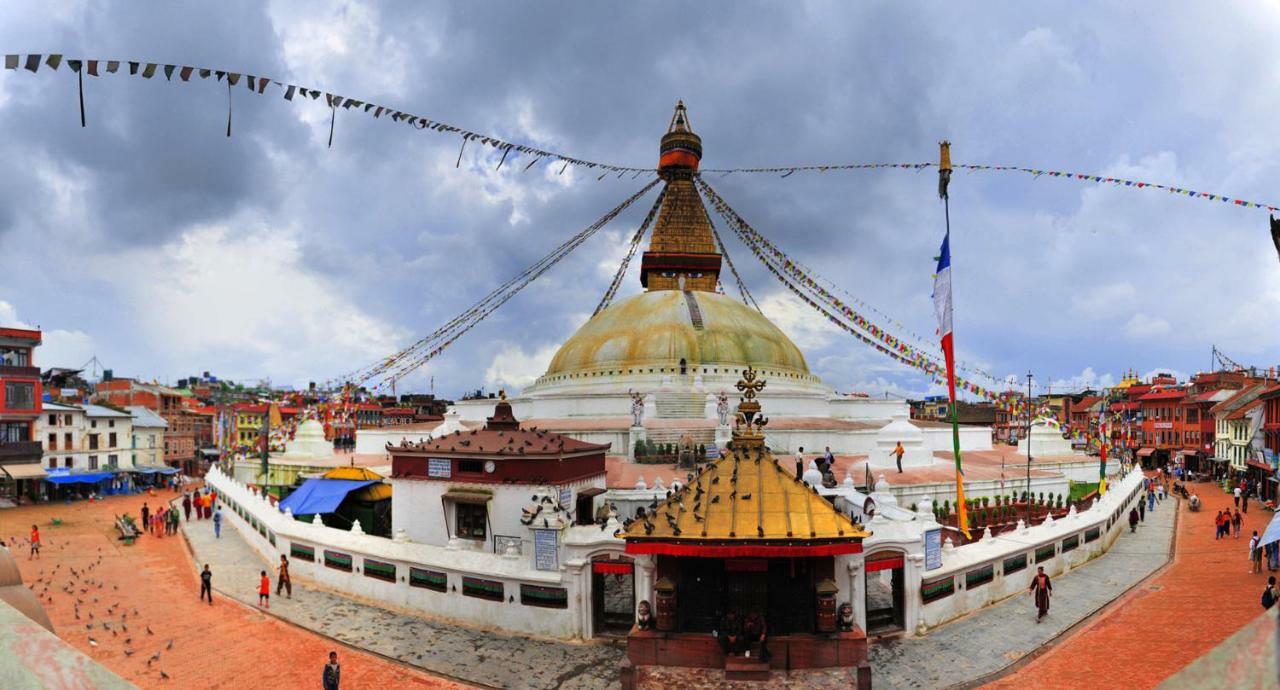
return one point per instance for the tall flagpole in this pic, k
(942, 305)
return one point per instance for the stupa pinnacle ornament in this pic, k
(682, 251)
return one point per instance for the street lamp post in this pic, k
(1028, 408)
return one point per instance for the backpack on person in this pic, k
(1268, 598)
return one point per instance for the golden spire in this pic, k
(682, 251)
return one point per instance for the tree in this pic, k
(640, 449)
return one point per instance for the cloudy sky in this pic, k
(154, 242)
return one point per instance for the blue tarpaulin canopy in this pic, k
(320, 495)
(87, 478)
(1273, 531)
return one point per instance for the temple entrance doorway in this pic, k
(613, 597)
(885, 591)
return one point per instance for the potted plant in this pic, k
(946, 506)
(985, 502)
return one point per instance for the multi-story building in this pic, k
(1161, 413)
(21, 395)
(1233, 427)
(397, 416)
(1271, 439)
(164, 401)
(248, 423)
(1008, 427)
(108, 438)
(61, 429)
(148, 437)
(368, 415)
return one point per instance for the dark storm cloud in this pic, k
(385, 221)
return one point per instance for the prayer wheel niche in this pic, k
(666, 599)
(827, 591)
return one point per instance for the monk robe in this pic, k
(1041, 587)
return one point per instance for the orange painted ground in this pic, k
(1203, 597)
(153, 584)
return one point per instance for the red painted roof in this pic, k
(1164, 395)
(523, 442)
(253, 408)
(21, 334)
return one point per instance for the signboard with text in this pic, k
(546, 555)
(932, 549)
(439, 467)
(566, 498)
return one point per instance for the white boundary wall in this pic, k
(272, 533)
(964, 568)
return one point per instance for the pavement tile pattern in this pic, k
(484, 658)
(1204, 597)
(139, 613)
(989, 640)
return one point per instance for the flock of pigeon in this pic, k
(90, 592)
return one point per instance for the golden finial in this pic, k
(748, 426)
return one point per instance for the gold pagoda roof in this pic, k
(354, 473)
(742, 499)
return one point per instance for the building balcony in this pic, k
(8, 370)
(21, 450)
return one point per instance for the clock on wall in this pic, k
(490, 466)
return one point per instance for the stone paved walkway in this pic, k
(1205, 596)
(989, 640)
(472, 656)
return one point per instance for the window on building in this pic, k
(111, 423)
(93, 462)
(93, 424)
(93, 441)
(111, 440)
(14, 356)
(66, 419)
(53, 442)
(14, 432)
(53, 420)
(20, 396)
(66, 462)
(53, 463)
(66, 440)
(113, 461)
(469, 520)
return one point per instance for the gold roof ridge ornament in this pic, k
(748, 424)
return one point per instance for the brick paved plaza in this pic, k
(1150, 632)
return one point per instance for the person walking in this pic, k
(1142, 510)
(174, 521)
(35, 543)
(217, 524)
(898, 452)
(332, 672)
(264, 591)
(186, 505)
(1269, 594)
(1237, 496)
(1236, 522)
(206, 584)
(146, 517)
(1244, 502)
(1151, 500)
(800, 462)
(283, 579)
(1255, 554)
(1133, 519)
(1041, 588)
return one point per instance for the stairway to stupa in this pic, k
(678, 405)
(704, 436)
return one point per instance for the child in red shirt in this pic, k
(264, 591)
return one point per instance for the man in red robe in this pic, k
(1041, 588)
